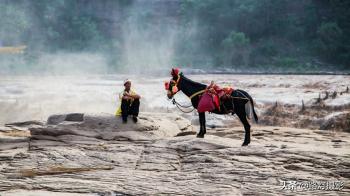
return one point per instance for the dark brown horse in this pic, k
(236, 104)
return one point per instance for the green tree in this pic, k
(236, 49)
(330, 36)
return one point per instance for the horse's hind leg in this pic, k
(242, 116)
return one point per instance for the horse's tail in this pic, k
(252, 105)
(254, 113)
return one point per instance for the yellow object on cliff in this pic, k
(12, 49)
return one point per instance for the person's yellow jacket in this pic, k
(119, 109)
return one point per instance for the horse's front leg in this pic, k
(202, 125)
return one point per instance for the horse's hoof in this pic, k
(245, 144)
(200, 136)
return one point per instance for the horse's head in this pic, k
(172, 87)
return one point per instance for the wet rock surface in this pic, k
(74, 154)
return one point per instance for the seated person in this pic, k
(129, 103)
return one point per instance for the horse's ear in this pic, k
(175, 71)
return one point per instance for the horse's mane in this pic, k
(183, 77)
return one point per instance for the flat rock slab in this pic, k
(82, 127)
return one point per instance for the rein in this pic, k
(177, 103)
(179, 106)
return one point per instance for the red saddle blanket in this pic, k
(206, 103)
(211, 98)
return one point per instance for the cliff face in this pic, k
(97, 154)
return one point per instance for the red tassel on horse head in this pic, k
(166, 85)
(175, 71)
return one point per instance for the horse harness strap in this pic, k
(232, 97)
(240, 98)
(197, 93)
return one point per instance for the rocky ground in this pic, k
(98, 155)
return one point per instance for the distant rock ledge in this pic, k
(86, 127)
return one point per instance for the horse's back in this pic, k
(240, 93)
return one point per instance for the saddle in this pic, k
(212, 97)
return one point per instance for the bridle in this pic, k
(173, 88)
(175, 85)
(178, 105)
